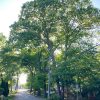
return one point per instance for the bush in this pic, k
(1, 91)
(4, 86)
(54, 97)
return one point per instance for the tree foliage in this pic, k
(56, 35)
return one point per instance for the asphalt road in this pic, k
(22, 95)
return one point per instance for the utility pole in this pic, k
(49, 84)
(77, 89)
(49, 77)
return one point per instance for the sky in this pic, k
(10, 9)
(22, 78)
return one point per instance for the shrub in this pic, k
(54, 97)
(1, 91)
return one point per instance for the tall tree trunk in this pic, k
(45, 94)
(11, 82)
(11, 86)
(16, 88)
(58, 88)
(67, 92)
(31, 87)
(63, 91)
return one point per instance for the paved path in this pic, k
(22, 95)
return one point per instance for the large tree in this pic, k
(57, 25)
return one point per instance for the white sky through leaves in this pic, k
(10, 9)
